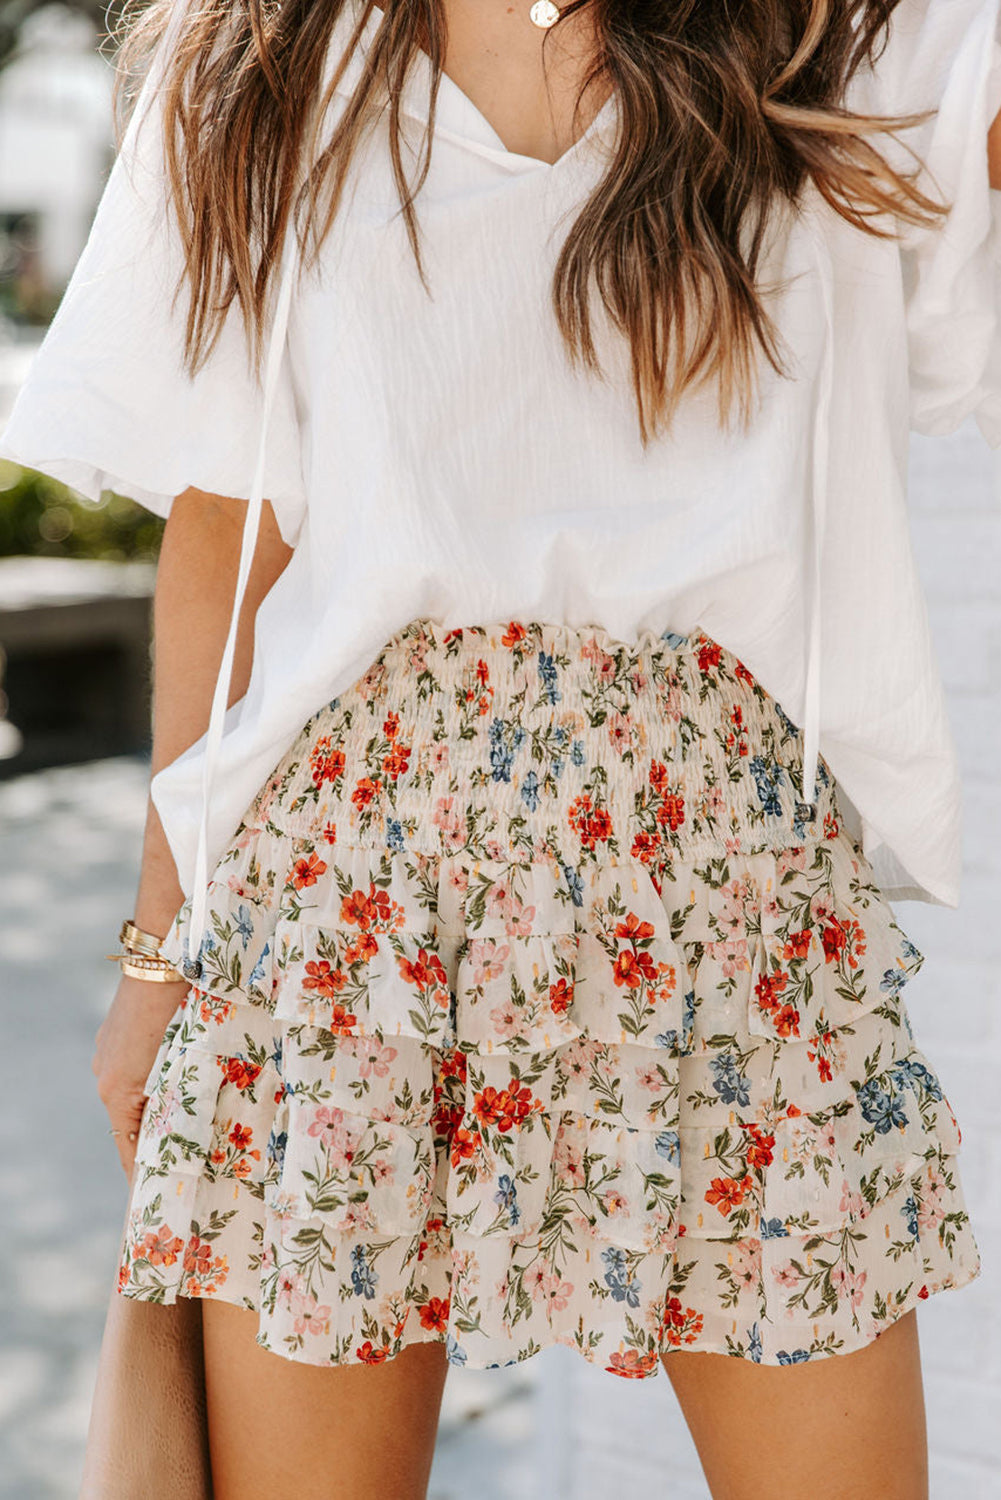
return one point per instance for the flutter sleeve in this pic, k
(945, 56)
(106, 403)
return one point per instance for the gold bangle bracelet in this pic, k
(139, 941)
(142, 966)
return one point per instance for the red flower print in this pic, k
(324, 979)
(634, 930)
(728, 1192)
(785, 1020)
(360, 951)
(515, 633)
(197, 1257)
(453, 1064)
(341, 1019)
(426, 972)
(632, 1364)
(741, 672)
(658, 777)
(590, 823)
(241, 1136)
(797, 944)
(482, 672)
(391, 727)
(681, 1325)
(634, 969)
(645, 847)
(160, 1248)
(329, 833)
(710, 655)
(434, 1313)
(369, 1355)
(560, 996)
(326, 764)
(239, 1071)
(769, 987)
(464, 1145)
(395, 763)
(503, 1107)
(364, 793)
(307, 871)
(831, 826)
(672, 811)
(843, 939)
(759, 1153)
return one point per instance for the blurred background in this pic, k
(75, 587)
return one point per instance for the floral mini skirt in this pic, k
(534, 1007)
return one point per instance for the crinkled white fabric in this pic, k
(441, 458)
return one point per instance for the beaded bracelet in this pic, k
(141, 958)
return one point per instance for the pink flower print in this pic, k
(732, 918)
(383, 1171)
(649, 1078)
(536, 1279)
(731, 956)
(494, 849)
(848, 1284)
(291, 1287)
(672, 703)
(159, 1120)
(448, 820)
(731, 847)
(579, 1056)
(457, 877)
(793, 858)
(931, 1207)
(786, 1275)
(500, 900)
(714, 802)
(506, 1020)
(822, 908)
(770, 909)
(487, 958)
(616, 1203)
(852, 1203)
(556, 1292)
(308, 1317)
(418, 654)
(521, 921)
(568, 1158)
(374, 1057)
(620, 733)
(439, 757)
(328, 1125)
(369, 685)
(747, 1262)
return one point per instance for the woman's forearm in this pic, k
(994, 151)
(195, 583)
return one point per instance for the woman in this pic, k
(526, 973)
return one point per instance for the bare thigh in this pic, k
(278, 1426)
(846, 1427)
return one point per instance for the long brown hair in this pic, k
(727, 110)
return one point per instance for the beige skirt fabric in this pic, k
(534, 1007)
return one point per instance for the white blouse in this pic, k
(440, 456)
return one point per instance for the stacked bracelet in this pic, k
(140, 957)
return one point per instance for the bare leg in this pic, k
(846, 1427)
(280, 1427)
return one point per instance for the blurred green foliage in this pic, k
(42, 518)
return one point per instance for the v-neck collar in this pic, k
(456, 116)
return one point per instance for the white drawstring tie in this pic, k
(820, 461)
(191, 965)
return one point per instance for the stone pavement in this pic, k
(555, 1429)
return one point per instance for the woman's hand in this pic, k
(126, 1044)
(994, 151)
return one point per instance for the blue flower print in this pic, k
(577, 753)
(731, 1085)
(754, 1343)
(454, 1352)
(673, 639)
(797, 1357)
(892, 980)
(909, 1209)
(547, 677)
(557, 766)
(275, 1148)
(766, 779)
(394, 835)
(879, 1109)
(503, 743)
(909, 950)
(670, 1038)
(772, 1229)
(561, 734)
(244, 924)
(506, 1196)
(668, 1144)
(785, 721)
(363, 1276)
(530, 791)
(256, 974)
(575, 884)
(623, 1287)
(912, 1074)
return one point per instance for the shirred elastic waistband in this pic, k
(535, 738)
